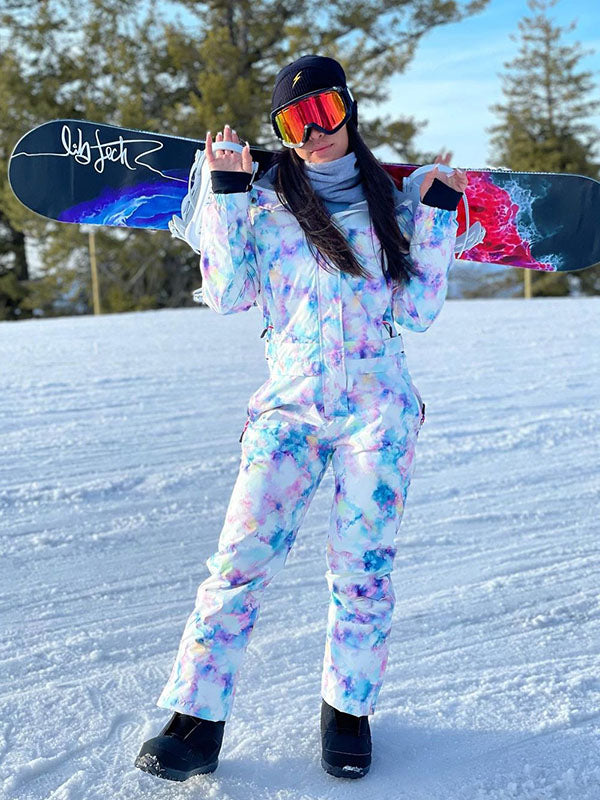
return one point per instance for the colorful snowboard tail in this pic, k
(84, 172)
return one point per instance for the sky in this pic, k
(454, 77)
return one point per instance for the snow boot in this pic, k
(346, 743)
(186, 746)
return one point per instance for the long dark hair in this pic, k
(326, 240)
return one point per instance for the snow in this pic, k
(119, 449)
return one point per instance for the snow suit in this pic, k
(338, 391)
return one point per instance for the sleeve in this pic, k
(432, 233)
(230, 274)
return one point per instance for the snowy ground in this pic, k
(118, 451)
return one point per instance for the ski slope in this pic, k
(119, 449)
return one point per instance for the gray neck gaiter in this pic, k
(336, 182)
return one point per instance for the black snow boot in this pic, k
(186, 746)
(346, 743)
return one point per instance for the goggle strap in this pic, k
(339, 89)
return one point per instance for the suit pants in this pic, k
(285, 453)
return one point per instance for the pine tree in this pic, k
(544, 121)
(99, 60)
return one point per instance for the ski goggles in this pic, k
(326, 110)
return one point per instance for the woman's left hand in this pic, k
(456, 180)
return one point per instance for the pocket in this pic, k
(420, 403)
(260, 400)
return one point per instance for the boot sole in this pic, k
(344, 772)
(152, 765)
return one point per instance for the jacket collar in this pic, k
(357, 213)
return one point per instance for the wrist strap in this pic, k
(443, 196)
(229, 181)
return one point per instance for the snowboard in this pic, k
(85, 172)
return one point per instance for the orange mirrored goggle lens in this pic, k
(326, 109)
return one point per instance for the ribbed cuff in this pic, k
(227, 182)
(440, 195)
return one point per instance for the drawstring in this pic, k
(389, 328)
(244, 431)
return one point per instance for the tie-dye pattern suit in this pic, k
(338, 391)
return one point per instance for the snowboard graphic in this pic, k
(85, 172)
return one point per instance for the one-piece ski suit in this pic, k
(338, 391)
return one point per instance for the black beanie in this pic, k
(307, 74)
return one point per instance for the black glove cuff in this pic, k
(227, 181)
(441, 195)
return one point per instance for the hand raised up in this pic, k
(456, 180)
(228, 160)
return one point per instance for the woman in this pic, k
(338, 259)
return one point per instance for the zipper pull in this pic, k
(244, 431)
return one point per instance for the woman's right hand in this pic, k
(228, 160)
